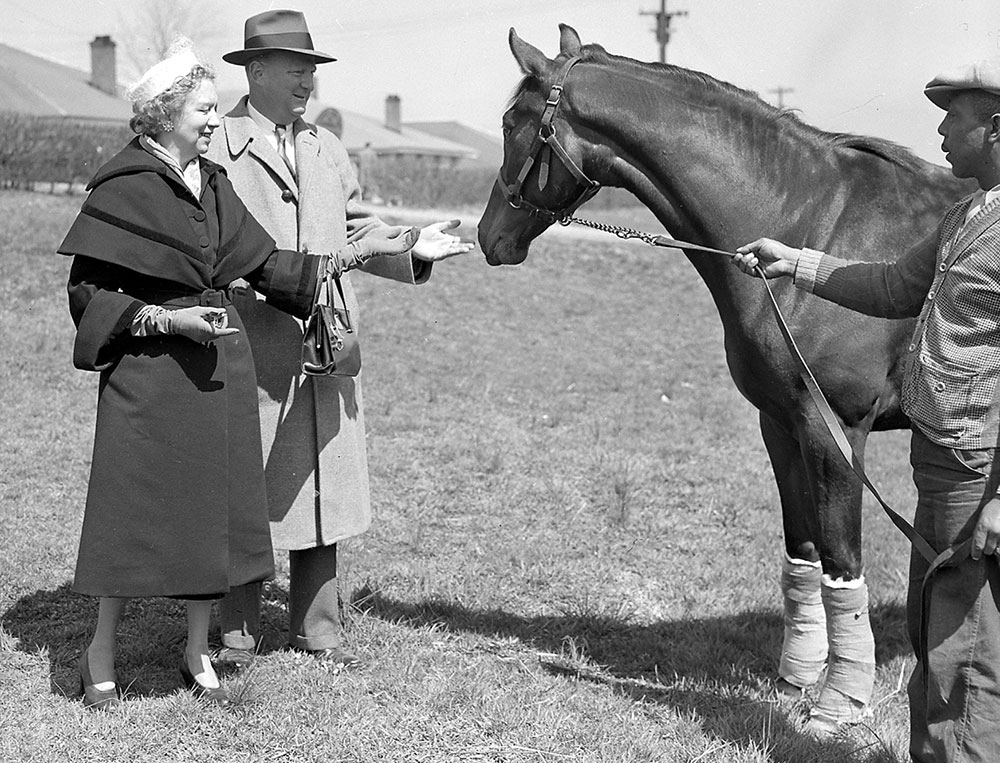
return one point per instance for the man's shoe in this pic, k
(230, 659)
(337, 658)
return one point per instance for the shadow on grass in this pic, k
(727, 648)
(59, 624)
(667, 662)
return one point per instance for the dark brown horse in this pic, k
(719, 167)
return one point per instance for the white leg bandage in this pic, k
(803, 653)
(850, 676)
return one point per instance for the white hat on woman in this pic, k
(160, 77)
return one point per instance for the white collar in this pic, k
(190, 174)
(264, 123)
(980, 199)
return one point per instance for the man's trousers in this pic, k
(313, 605)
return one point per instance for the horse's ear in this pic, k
(528, 57)
(569, 40)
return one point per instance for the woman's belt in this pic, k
(207, 298)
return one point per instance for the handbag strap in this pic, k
(330, 282)
(325, 296)
(340, 290)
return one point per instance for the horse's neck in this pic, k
(717, 173)
(717, 170)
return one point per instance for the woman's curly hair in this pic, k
(158, 113)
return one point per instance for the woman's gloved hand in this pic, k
(379, 242)
(199, 324)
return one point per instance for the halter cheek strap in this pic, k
(545, 144)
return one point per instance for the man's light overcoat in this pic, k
(312, 428)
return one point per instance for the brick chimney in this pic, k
(102, 65)
(393, 114)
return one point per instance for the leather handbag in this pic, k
(330, 344)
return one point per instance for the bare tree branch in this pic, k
(150, 26)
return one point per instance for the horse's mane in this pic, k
(785, 118)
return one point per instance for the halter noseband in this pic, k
(544, 145)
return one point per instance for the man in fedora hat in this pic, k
(951, 392)
(297, 180)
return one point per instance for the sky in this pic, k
(845, 65)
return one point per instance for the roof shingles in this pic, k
(36, 86)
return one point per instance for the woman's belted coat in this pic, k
(176, 504)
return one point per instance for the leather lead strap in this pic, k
(840, 437)
(833, 425)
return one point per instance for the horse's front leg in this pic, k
(824, 593)
(804, 645)
(836, 492)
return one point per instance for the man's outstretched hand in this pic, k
(434, 244)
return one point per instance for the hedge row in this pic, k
(39, 150)
(65, 154)
(420, 182)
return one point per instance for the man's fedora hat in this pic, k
(981, 75)
(276, 30)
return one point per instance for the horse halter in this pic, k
(545, 144)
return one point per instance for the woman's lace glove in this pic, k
(386, 240)
(198, 323)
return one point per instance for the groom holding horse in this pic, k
(951, 393)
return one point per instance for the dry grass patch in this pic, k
(575, 555)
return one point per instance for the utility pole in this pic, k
(780, 91)
(663, 26)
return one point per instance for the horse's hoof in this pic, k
(787, 691)
(822, 726)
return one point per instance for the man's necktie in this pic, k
(279, 133)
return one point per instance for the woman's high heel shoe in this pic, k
(94, 698)
(217, 695)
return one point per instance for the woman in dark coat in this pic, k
(176, 504)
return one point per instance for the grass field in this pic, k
(575, 555)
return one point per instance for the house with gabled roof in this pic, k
(389, 138)
(488, 148)
(39, 87)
